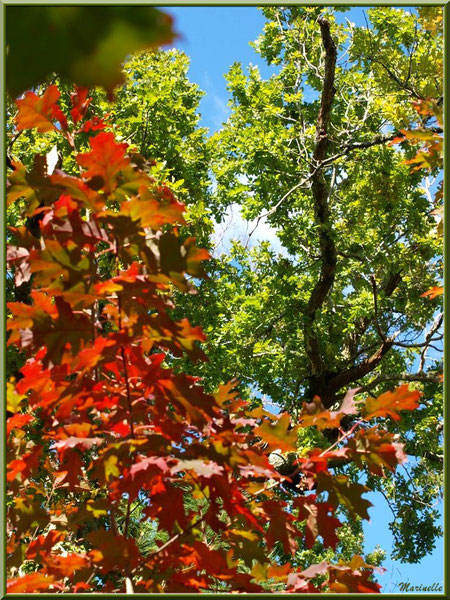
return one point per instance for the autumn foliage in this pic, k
(98, 422)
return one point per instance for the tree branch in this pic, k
(278, 204)
(364, 368)
(375, 304)
(319, 190)
(405, 377)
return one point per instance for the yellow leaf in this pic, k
(13, 399)
(111, 470)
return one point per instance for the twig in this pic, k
(375, 303)
(278, 204)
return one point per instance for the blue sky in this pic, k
(214, 38)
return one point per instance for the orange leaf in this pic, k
(65, 566)
(17, 421)
(376, 448)
(314, 413)
(433, 292)
(156, 210)
(39, 111)
(390, 403)
(32, 583)
(106, 160)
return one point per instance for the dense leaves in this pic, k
(322, 289)
(101, 426)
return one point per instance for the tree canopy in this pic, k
(314, 151)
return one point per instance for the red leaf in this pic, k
(69, 328)
(44, 543)
(168, 507)
(122, 429)
(317, 462)
(352, 578)
(113, 552)
(376, 448)
(23, 466)
(149, 473)
(318, 521)
(78, 190)
(106, 160)
(280, 526)
(94, 124)
(80, 103)
(17, 421)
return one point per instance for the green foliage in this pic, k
(382, 225)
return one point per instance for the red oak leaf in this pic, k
(106, 160)
(17, 421)
(80, 103)
(155, 210)
(278, 436)
(44, 543)
(113, 552)
(314, 413)
(24, 465)
(377, 449)
(318, 521)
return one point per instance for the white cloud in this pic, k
(235, 227)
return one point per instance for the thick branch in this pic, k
(364, 368)
(319, 190)
(388, 289)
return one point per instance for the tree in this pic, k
(314, 152)
(166, 122)
(101, 427)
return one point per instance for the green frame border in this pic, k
(232, 3)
